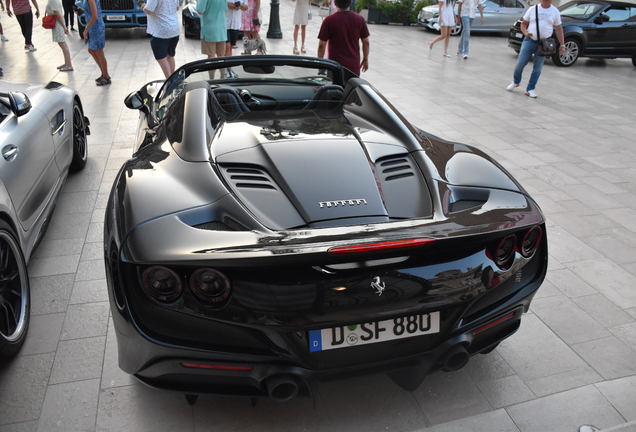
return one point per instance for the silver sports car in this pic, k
(43, 135)
(499, 15)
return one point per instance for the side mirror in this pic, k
(134, 101)
(601, 19)
(20, 103)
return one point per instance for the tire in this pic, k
(634, 61)
(15, 298)
(572, 52)
(80, 146)
(457, 30)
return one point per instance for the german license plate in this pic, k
(373, 332)
(115, 18)
(519, 35)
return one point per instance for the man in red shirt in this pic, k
(344, 31)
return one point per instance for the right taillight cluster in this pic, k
(525, 242)
(209, 286)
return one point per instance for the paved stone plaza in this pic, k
(572, 363)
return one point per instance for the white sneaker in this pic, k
(4, 38)
(512, 86)
(531, 93)
(465, 57)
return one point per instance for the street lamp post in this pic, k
(274, 31)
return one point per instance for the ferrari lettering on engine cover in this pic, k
(342, 203)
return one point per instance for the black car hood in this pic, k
(311, 172)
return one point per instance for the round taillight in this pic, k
(530, 242)
(162, 284)
(505, 251)
(209, 285)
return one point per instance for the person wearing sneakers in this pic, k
(465, 17)
(549, 21)
(2, 36)
(301, 18)
(22, 11)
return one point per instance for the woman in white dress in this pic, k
(446, 22)
(59, 32)
(301, 18)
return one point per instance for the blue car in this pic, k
(116, 14)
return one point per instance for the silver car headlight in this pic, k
(425, 14)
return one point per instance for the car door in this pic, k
(27, 166)
(613, 31)
(500, 15)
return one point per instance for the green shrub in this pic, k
(402, 11)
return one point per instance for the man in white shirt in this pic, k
(549, 20)
(466, 16)
(163, 25)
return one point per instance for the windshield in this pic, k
(239, 73)
(580, 10)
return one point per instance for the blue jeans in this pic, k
(528, 47)
(464, 38)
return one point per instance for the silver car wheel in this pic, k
(14, 293)
(571, 55)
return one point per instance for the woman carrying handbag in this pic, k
(59, 32)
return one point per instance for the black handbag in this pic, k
(546, 47)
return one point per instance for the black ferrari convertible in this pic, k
(288, 226)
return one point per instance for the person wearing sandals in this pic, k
(24, 15)
(95, 33)
(301, 18)
(446, 22)
(54, 7)
(163, 26)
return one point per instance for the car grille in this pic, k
(117, 5)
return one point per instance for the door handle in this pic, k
(9, 152)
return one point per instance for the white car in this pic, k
(499, 15)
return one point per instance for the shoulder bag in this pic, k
(48, 21)
(546, 47)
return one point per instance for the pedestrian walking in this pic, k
(59, 32)
(446, 22)
(24, 15)
(466, 15)
(95, 34)
(301, 18)
(163, 26)
(213, 29)
(548, 22)
(345, 31)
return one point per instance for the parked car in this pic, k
(602, 29)
(289, 226)
(499, 15)
(191, 20)
(43, 135)
(116, 14)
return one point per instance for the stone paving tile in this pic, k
(70, 407)
(565, 411)
(621, 393)
(571, 149)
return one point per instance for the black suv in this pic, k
(604, 29)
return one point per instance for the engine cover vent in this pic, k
(397, 168)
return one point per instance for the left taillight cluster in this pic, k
(525, 243)
(209, 286)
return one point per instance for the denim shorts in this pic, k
(163, 48)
